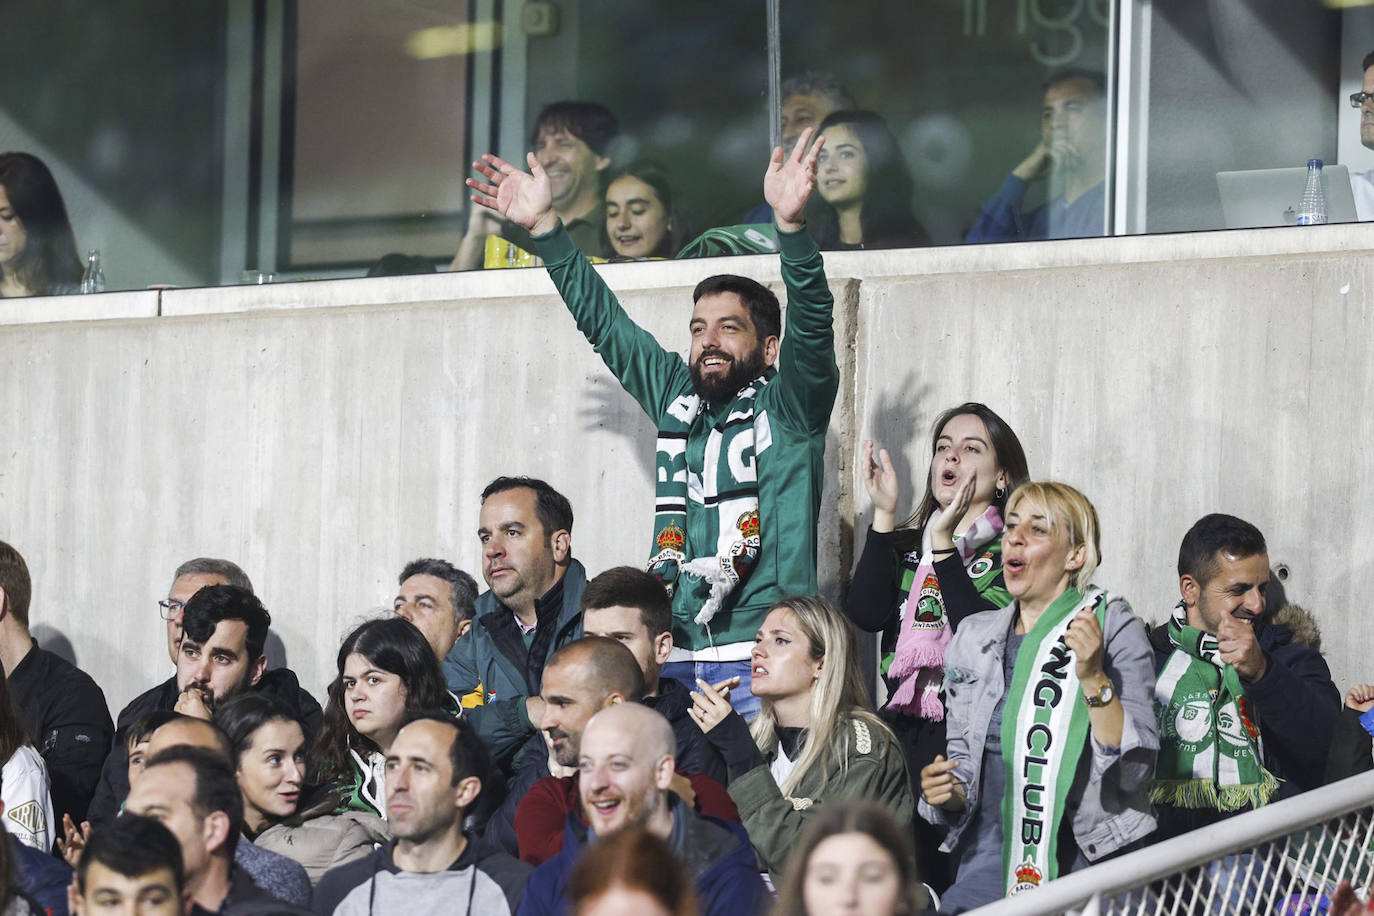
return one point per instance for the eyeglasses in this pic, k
(168, 607)
(1357, 99)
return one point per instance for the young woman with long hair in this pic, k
(37, 248)
(864, 187)
(815, 739)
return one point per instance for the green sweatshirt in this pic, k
(794, 406)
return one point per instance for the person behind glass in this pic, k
(855, 859)
(387, 675)
(814, 740)
(1049, 711)
(864, 187)
(641, 220)
(631, 871)
(916, 583)
(1362, 183)
(1071, 156)
(281, 813)
(572, 143)
(37, 247)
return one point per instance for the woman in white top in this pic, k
(24, 786)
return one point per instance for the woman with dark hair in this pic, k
(280, 811)
(631, 871)
(917, 582)
(37, 248)
(24, 785)
(387, 673)
(852, 858)
(641, 219)
(864, 187)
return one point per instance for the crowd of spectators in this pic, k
(694, 735)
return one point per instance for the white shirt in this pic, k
(27, 796)
(1362, 184)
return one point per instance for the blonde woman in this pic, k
(815, 739)
(1049, 713)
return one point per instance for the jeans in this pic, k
(741, 698)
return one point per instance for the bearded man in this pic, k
(741, 423)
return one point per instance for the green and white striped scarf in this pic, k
(727, 491)
(1044, 730)
(1209, 741)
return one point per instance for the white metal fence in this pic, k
(1283, 859)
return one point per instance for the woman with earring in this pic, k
(1050, 714)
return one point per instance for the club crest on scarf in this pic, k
(1028, 878)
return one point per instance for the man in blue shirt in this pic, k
(1071, 155)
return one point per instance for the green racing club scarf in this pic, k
(1044, 730)
(1209, 740)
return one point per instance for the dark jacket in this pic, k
(41, 876)
(1296, 704)
(716, 853)
(492, 658)
(1350, 747)
(694, 753)
(65, 713)
(280, 683)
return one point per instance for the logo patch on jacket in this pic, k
(29, 816)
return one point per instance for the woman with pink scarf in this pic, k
(916, 583)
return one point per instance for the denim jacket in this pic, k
(1110, 798)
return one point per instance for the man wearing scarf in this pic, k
(1245, 711)
(741, 424)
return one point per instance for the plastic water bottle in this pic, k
(93, 278)
(1312, 210)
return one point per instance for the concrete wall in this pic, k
(322, 434)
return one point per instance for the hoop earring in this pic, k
(1001, 492)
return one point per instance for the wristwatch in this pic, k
(1105, 694)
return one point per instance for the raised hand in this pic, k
(1084, 638)
(524, 198)
(73, 839)
(1239, 647)
(790, 180)
(711, 704)
(1360, 698)
(942, 528)
(883, 489)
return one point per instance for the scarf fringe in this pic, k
(1204, 793)
(919, 695)
(926, 654)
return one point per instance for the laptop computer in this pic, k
(1270, 197)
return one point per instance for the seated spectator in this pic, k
(1071, 158)
(632, 607)
(24, 792)
(807, 99)
(231, 626)
(440, 599)
(627, 767)
(641, 220)
(582, 678)
(1362, 183)
(531, 608)
(435, 770)
(852, 858)
(33, 871)
(815, 740)
(917, 582)
(37, 248)
(280, 812)
(192, 791)
(571, 141)
(133, 865)
(1009, 684)
(1221, 660)
(631, 871)
(282, 877)
(63, 709)
(864, 187)
(387, 674)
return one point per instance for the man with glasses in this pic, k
(63, 708)
(219, 633)
(1362, 183)
(191, 577)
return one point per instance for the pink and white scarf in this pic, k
(920, 657)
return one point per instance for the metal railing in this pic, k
(1285, 858)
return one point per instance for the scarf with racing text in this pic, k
(727, 492)
(919, 660)
(1209, 740)
(1044, 729)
